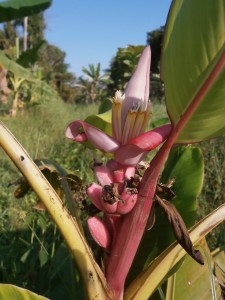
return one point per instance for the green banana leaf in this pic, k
(186, 165)
(46, 92)
(193, 281)
(9, 291)
(17, 9)
(101, 121)
(193, 59)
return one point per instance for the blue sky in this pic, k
(91, 31)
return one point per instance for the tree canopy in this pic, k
(154, 39)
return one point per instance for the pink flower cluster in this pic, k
(116, 195)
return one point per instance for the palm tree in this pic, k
(93, 87)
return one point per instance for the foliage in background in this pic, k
(122, 66)
(54, 70)
(35, 30)
(47, 61)
(8, 36)
(41, 262)
(92, 86)
(155, 39)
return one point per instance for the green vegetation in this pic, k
(41, 261)
(39, 97)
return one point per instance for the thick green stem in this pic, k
(94, 280)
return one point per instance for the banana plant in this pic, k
(16, 9)
(132, 196)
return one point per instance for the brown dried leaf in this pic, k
(164, 190)
(179, 229)
(40, 206)
(23, 188)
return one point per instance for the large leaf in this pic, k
(44, 91)
(183, 164)
(145, 284)
(9, 291)
(17, 9)
(193, 67)
(193, 281)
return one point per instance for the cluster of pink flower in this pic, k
(117, 193)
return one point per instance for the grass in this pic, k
(40, 260)
(41, 129)
(212, 194)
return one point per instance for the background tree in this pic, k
(54, 70)
(46, 60)
(154, 39)
(15, 29)
(8, 35)
(35, 29)
(93, 87)
(122, 65)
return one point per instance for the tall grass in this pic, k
(32, 254)
(41, 129)
(212, 194)
(41, 132)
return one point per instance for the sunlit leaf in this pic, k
(194, 281)
(101, 121)
(193, 68)
(43, 257)
(219, 267)
(17, 9)
(159, 122)
(9, 291)
(25, 256)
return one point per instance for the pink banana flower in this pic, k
(130, 115)
(115, 195)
